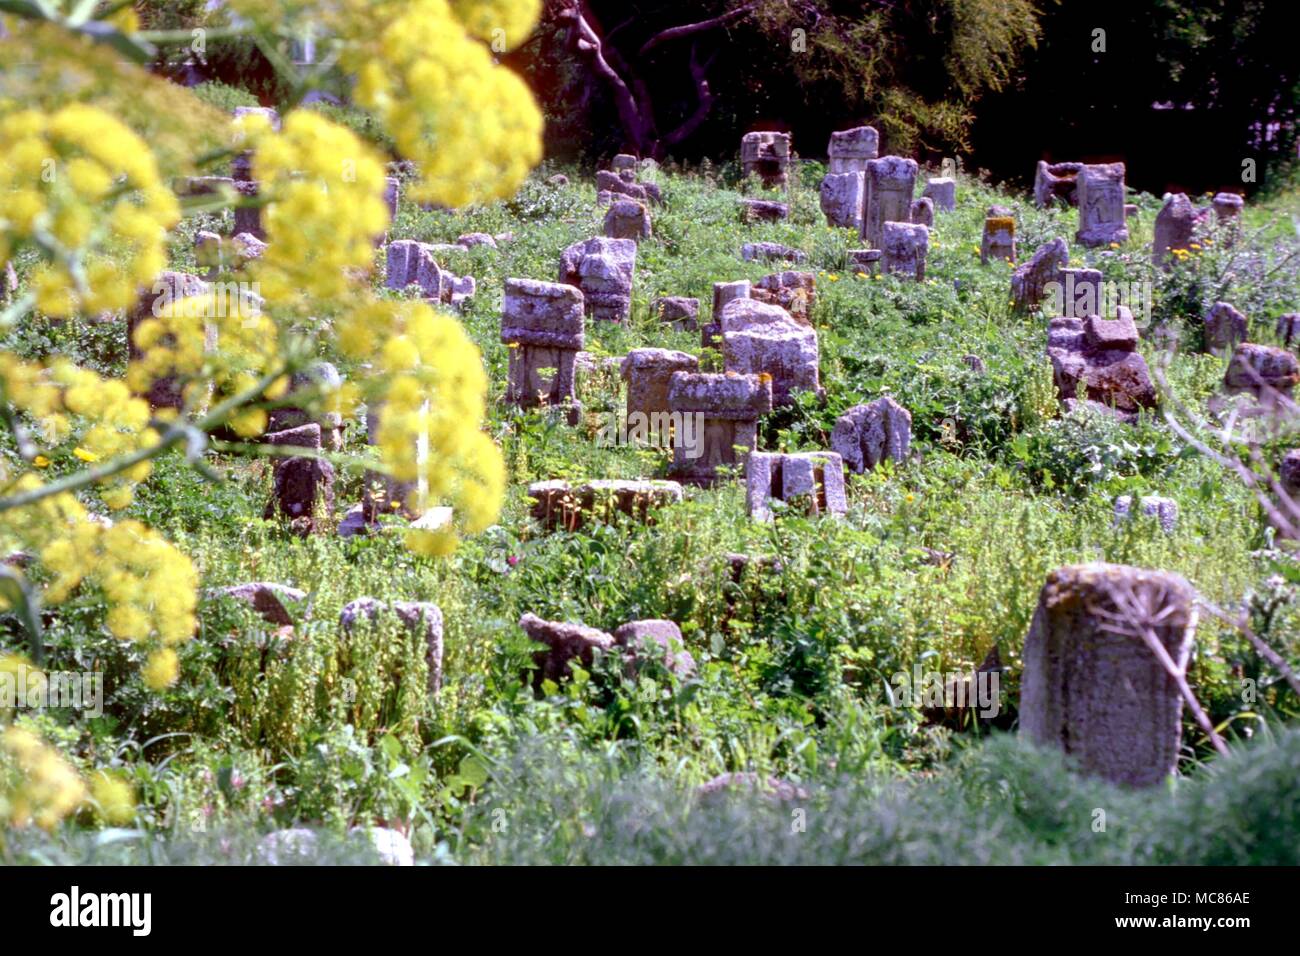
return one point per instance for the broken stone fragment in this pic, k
(866, 435)
(564, 644)
(422, 618)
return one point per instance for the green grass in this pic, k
(793, 663)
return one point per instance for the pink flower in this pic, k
(512, 560)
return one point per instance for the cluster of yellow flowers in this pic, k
(68, 402)
(471, 126)
(150, 586)
(36, 784)
(431, 389)
(218, 342)
(79, 182)
(326, 207)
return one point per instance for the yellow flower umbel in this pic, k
(86, 190)
(431, 389)
(36, 783)
(325, 192)
(471, 126)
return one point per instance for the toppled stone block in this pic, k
(758, 338)
(1092, 687)
(942, 191)
(602, 268)
(565, 643)
(647, 373)
(266, 598)
(766, 154)
(558, 505)
(1225, 326)
(891, 182)
(303, 488)
(421, 618)
(1101, 205)
(623, 161)
(1175, 227)
(850, 149)
(763, 210)
(866, 435)
(1030, 280)
(679, 311)
(1164, 510)
(1267, 373)
(728, 407)
(842, 196)
(643, 641)
(796, 292)
(473, 240)
(1057, 181)
(627, 219)
(864, 260)
(1099, 355)
(770, 252)
(904, 249)
(811, 481)
(614, 186)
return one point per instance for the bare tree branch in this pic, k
(687, 29)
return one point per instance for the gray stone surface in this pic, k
(1270, 374)
(602, 268)
(1101, 695)
(642, 641)
(1101, 205)
(1099, 355)
(999, 240)
(766, 155)
(923, 212)
(266, 598)
(812, 482)
(850, 149)
(729, 406)
(648, 372)
(1056, 181)
(1030, 279)
(1164, 510)
(759, 338)
(942, 191)
(866, 435)
(891, 183)
(302, 488)
(904, 249)
(842, 196)
(421, 617)
(564, 644)
(679, 311)
(1174, 229)
(627, 219)
(1225, 326)
(542, 323)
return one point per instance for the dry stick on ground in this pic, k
(1138, 615)
(1253, 475)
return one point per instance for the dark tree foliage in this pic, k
(1184, 90)
(685, 77)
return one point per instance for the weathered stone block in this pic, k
(905, 247)
(758, 338)
(842, 197)
(1175, 227)
(627, 219)
(1029, 281)
(602, 268)
(766, 154)
(1092, 687)
(891, 182)
(1101, 205)
(1225, 326)
(999, 240)
(679, 311)
(812, 481)
(866, 435)
(850, 149)
(729, 407)
(648, 372)
(564, 643)
(942, 191)
(421, 618)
